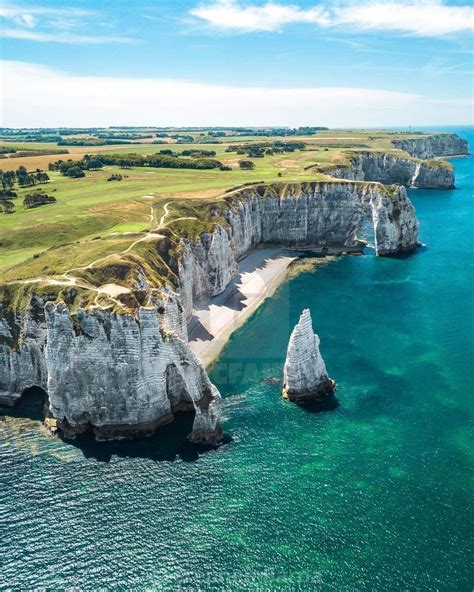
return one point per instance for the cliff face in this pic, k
(206, 266)
(323, 215)
(123, 375)
(119, 376)
(314, 215)
(391, 168)
(22, 342)
(305, 375)
(433, 146)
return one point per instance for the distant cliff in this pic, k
(123, 370)
(437, 145)
(386, 167)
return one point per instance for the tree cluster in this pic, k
(76, 168)
(259, 150)
(22, 177)
(38, 198)
(246, 165)
(279, 131)
(198, 153)
(159, 161)
(91, 142)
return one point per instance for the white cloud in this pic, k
(417, 17)
(68, 100)
(27, 14)
(228, 14)
(47, 24)
(422, 18)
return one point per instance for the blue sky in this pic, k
(204, 62)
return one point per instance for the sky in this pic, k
(370, 63)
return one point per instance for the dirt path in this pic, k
(166, 212)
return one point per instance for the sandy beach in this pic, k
(260, 274)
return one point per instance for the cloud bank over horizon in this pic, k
(62, 99)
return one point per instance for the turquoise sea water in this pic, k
(375, 495)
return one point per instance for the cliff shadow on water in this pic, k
(329, 403)
(168, 444)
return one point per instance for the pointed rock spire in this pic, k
(306, 378)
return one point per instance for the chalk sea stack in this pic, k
(306, 379)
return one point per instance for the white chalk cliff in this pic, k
(305, 378)
(433, 146)
(124, 374)
(392, 168)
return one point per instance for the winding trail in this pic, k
(166, 212)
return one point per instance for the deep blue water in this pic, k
(376, 494)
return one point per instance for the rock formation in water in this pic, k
(305, 379)
(392, 168)
(433, 146)
(124, 372)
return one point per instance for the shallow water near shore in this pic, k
(375, 494)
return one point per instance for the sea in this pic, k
(371, 492)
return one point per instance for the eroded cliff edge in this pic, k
(433, 146)
(121, 369)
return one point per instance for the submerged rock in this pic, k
(306, 378)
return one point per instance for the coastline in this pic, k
(260, 274)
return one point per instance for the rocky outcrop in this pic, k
(392, 168)
(123, 374)
(323, 216)
(116, 375)
(305, 378)
(432, 146)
